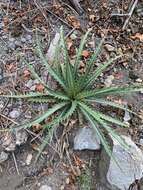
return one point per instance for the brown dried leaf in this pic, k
(138, 36)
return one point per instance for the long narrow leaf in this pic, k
(108, 103)
(44, 116)
(79, 53)
(94, 113)
(98, 72)
(109, 91)
(68, 68)
(99, 132)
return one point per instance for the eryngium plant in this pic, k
(76, 94)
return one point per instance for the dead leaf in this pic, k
(92, 18)
(73, 21)
(138, 36)
(85, 53)
(26, 73)
(40, 87)
(36, 127)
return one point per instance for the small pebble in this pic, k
(21, 136)
(108, 81)
(109, 47)
(11, 46)
(3, 156)
(45, 187)
(28, 159)
(23, 40)
(139, 80)
(14, 114)
(28, 37)
(127, 116)
(11, 39)
(141, 142)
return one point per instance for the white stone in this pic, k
(131, 165)
(14, 114)
(45, 187)
(86, 138)
(109, 47)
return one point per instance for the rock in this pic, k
(141, 142)
(21, 136)
(11, 46)
(52, 49)
(8, 143)
(108, 81)
(30, 83)
(14, 114)
(18, 44)
(86, 139)
(3, 156)
(28, 37)
(139, 80)
(130, 161)
(28, 159)
(109, 47)
(45, 187)
(127, 116)
(23, 40)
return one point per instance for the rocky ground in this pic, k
(65, 164)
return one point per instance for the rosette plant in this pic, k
(76, 92)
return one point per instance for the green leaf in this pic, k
(44, 116)
(100, 134)
(108, 103)
(79, 53)
(113, 134)
(68, 71)
(96, 114)
(90, 63)
(27, 95)
(98, 72)
(109, 91)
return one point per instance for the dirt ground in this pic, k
(60, 166)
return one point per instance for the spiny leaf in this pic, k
(79, 53)
(55, 108)
(27, 95)
(94, 113)
(100, 134)
(109, 103)
(92, 60)
(109, 91)
(98, 72)
(68, 68)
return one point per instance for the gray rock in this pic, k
(127, 116)
(23, 40)
(86, 139)
(11, 39)
(45, 187)
(141, 142)
(18, 44)
(131, 166)
(11, 46)
(3, 156)
(14, 114)
(28, 37)
(109, 47)
(21, 136)
(29, 84)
